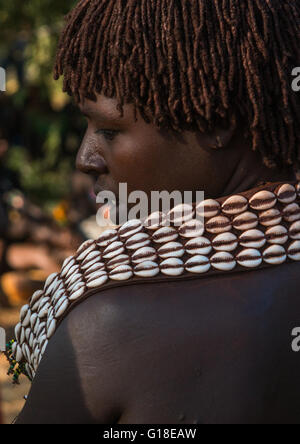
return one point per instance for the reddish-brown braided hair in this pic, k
(191, 64)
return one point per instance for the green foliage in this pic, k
(46, 130)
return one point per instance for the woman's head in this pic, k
(184, 75)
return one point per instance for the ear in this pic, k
(221, 138)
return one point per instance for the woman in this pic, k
(187, 96)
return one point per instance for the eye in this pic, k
(108, 134)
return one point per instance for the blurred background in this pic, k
(46, 208)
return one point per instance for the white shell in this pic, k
(278, 255)
(270, 218)
(51, 329)
(295, 230)
(73, 280)
(172, 267)
(35, 298)
(171, 249)
(18, 329)
(95, 260)
(192, 228)
(155, 221)
(146, 269)
(50, 280)
(97, 281)
(223, 261)
(33, 320)
(19, 354)
(86, 248)
(286, 194)
(130, 228)
(121, 273)
(291, 213)
(60, 310)
(246, 221)
(138, 241)
(218, 224)
(122, 259)
(107, 238)
(144, 254)
(164, 235)
(263, 200)
(26, 319)
(235, 205)
(68, 263)
(77, 294)
(98, 266)
(249, 258)
(277, 235)
(294, 251)
(181, 214)
(225, 242)
(91, 257)
(252, 239)
(198, 246)
(198, 264)
(208, 208)
(113, 250)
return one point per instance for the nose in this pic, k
(90, 161)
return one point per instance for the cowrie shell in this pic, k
(171, 249)
(246, 221)
(61, 307)
(208, 208)
(122, 259)
(73, 279)
(275, 255)
(286, 194)
(295, 230)
(219, 224)
(263, 200)
(27, 333)
(45, 345)
(90, 257)
(223, 261)
(107, 238)
(98, 266)
(68, 263)
(164, 235)
(294, 251)
(291, 213)
(96, 274)
(73, 270)
(172, 267)
(113, 250)
(19, 354)
(146, 269)
(130, 228)
(138, 241)
(14, 349)
(26, 352)
(198, 246)
(18, 329)
(87, 265)
(144, 254)
(97, 281)
(77, 294)
(225, 242)
(36, 327)
(198, 264)
(277, 235)
(180, 214)
(155, 221)
(235, 205)
(249, 258)
(85, 249)
(270, 218)
(33, 320)
(252, 239)
(192, 228)
(29, 371)
(25, 316)
(50, 280)
(51, 329)
(121, 273)
(35, 298)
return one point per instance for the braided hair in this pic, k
(191, 65)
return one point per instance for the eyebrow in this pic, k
(88, 112)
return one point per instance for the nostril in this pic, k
(91, 165)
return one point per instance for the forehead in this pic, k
(105, 108)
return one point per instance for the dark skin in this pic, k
(209, 350)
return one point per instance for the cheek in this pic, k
(139, 164)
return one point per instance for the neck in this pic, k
(250, 172)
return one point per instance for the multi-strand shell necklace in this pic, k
(249, 230)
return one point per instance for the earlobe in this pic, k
(222, 137)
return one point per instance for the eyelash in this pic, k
(108, 134)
